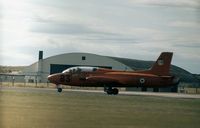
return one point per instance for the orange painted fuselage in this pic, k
(158, 76)
(114, 78)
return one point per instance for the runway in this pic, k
(52, 90)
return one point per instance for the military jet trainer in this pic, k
(158, 76)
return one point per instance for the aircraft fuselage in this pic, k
(156, 77)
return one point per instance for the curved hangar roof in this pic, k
(88, 59)
(81, 59)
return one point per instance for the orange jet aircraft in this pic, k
(156, 77)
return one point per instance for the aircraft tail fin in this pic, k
(162, 65)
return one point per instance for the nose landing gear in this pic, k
(59, 88)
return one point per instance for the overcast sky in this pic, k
(137, 29)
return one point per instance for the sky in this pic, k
(136, 29)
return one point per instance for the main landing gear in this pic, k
(111, 91)
(59, 88)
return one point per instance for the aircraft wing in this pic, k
(102, 79)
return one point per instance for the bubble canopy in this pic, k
(80, 69)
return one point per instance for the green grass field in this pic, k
(95, 110)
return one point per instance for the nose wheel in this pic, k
(111, 91)
(59, 88)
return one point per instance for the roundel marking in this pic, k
(142, 80)
(160, 62)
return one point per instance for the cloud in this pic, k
(170, 3)
(185, 24)
(68, 29)
(53, 28)
(14, 57)
(140, 30)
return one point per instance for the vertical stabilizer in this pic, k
(162, 65)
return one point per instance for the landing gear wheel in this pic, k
(111, 91)
(108, 90)
(115, 91)
(59, 89)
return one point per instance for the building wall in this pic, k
(31, 70)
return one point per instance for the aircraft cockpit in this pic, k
(80, 69)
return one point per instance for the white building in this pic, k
(54, 64)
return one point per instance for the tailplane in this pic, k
(162, 66)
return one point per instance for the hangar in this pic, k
(38, 71)
(58, 63)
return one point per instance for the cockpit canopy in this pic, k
(80, 69)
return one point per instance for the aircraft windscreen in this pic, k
(80, 69)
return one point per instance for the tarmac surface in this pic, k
(52, 90)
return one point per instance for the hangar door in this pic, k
(57, 68)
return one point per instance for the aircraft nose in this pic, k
(49, 77)
(52, 78)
